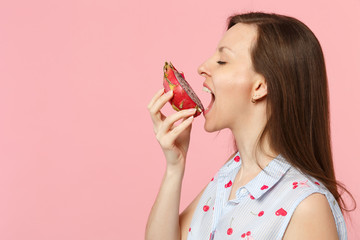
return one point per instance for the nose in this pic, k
(202, 69)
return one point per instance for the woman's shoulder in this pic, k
(297, 186)
(310, 204)
(312, 219)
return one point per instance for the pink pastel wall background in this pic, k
(78, 157)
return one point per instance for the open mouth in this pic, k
(206, 89)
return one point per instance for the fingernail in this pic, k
(170, 92)
(190, 118)
(192, 110)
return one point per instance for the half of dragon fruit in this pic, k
(184, 96)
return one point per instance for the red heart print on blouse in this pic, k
(228, 184)
(281, 212)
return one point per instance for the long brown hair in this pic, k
(290, 57)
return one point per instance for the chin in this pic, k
(209, 128)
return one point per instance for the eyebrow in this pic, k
(221, 49)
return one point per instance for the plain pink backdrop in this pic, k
(78, 157)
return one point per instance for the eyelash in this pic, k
(221, 63)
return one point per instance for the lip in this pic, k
(211, 103)
(207, 86)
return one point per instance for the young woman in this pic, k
(269, 87)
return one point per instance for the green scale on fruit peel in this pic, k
(184, 96)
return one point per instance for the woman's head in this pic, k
(290, 58)
(231, 78)
(288, 69)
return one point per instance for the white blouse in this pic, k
(262, 208)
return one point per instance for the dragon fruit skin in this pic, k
(184, 96)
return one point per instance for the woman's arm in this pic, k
(312, 219)
(163, 221)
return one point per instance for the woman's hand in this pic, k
(174, 140)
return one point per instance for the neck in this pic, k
(253, 158)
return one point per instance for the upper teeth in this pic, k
(205, 89)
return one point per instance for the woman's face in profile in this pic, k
(229, 75)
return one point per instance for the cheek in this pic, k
(236, 91)
(237, 100)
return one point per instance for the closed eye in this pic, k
(220, 62)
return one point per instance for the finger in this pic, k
(169, 122)
(167, 141)
(156, 115)
(155, 97)
(162, 100)
(174, 133)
